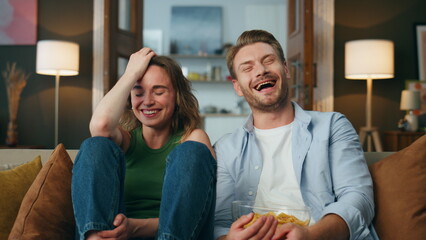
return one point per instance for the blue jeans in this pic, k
(188, 194)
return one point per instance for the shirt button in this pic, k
(250, 193)
(256, 167)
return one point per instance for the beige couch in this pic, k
(14, 157)
(399, 184)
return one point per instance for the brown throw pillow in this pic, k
(14, 184)
(46, 211)
(400, 193)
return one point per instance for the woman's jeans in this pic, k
(188, 194)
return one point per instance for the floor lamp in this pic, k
(57, 58)
(368, 60)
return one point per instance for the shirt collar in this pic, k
(299, 115)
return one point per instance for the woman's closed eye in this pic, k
(138, 93)
(159, 92)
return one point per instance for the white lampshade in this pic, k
(57, 58)
(369, 59)
(410, 100)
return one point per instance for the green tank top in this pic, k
(144, 175)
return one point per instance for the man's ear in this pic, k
(286, 71)
(237, 88)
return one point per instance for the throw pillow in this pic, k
(46, 211)
(400, 193)
(14, 184)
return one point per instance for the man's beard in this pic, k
(256, 102)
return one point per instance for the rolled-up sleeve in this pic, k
(351, 178)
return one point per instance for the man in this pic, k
(285, 155)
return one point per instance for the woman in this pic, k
(118, 190)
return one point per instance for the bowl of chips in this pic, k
(300, 215)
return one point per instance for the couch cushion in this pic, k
(400, 193)
(14, 185)
(46, 211)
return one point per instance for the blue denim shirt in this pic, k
(329, 165)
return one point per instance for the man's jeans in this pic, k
(188, 194)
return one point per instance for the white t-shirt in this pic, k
(278, 183)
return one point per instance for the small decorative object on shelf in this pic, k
(402, 124)
(410, 101)
(15, 81)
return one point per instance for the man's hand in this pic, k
(330, 226)
(290, 231)
(263, 228)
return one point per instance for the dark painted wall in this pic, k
(366, 19)
(58, 20)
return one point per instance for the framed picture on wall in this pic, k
(421, 49)
(18, 23)
(196, 30)
(416, 85)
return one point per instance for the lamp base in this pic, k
(412, 122)
(370, 133)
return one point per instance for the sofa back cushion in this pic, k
(400, 193)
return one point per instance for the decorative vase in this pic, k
(412, 122)
(12, 134)
(15, 81)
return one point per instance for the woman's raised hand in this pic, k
(138, 63)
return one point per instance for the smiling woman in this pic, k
(153, 98)
(142, 163)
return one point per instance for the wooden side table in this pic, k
(397, 140)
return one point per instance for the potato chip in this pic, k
(281, 218)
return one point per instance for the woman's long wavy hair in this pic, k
(186, 117)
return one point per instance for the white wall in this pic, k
(236, 18)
